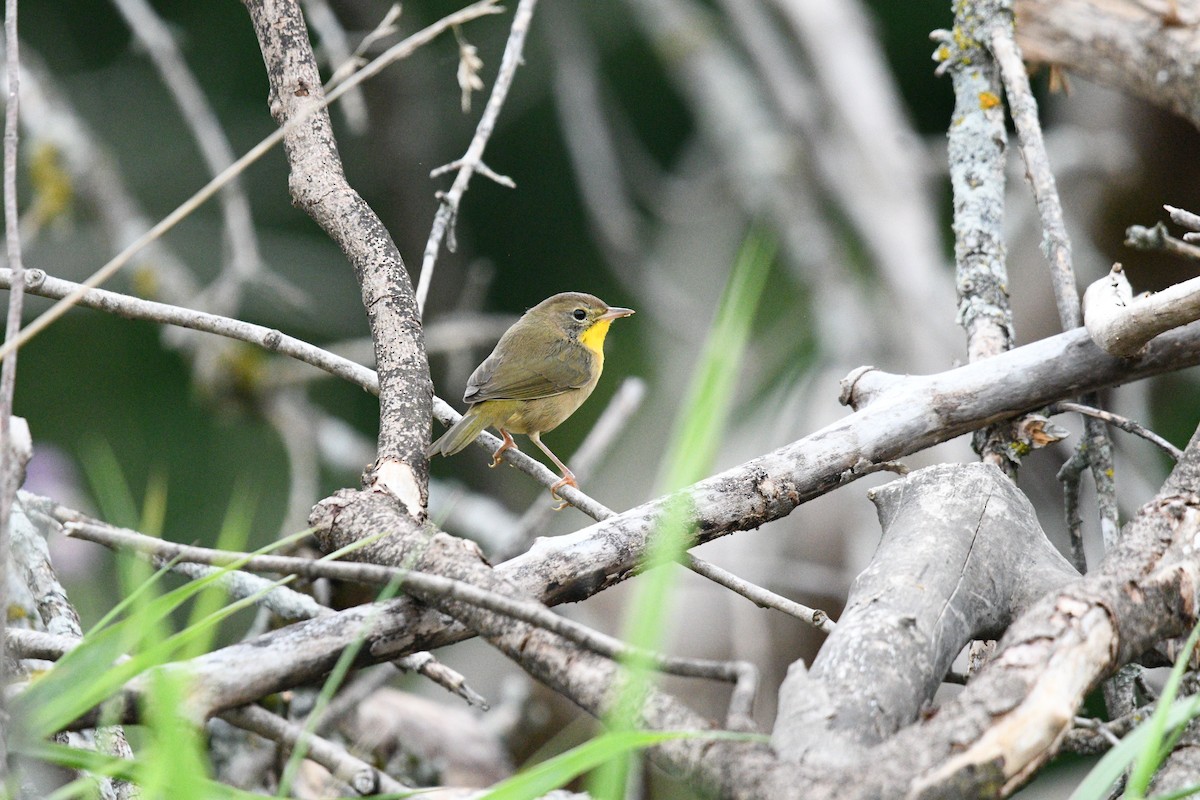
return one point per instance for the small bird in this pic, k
(542, 369)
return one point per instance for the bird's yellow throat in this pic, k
(593, 337)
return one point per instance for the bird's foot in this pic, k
(566, 480)
(507, 444)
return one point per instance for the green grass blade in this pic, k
(235, 532)
(336, 677)
(1149, 758)
(154, 505)
(566, 767)
(107, 481)
(1108, 770)
(175, 757)
(88, 675)
(104, 765)
(697, 433)
(694, 443)
(1179, 794)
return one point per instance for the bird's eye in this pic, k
(579, 314)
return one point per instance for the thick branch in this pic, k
(319, 187)
(907, 618)
(1130, 45)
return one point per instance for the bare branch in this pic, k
(1070, 474)
(1157, 238)
(10, 467)
(359, 775)
(244, 262)
(334, 46)
(758, 595)
(1121, 324)
(1126, 44)
(319, 187)
(910, 415)
(394, 53)
(1055, 242)
(421, 584)
(1124, 423)
(472, 160)
(39, 283)
(857, 693)
(1183, 217)
(977, 147)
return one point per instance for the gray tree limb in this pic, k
(319, 187)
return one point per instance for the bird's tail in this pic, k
(461, 434)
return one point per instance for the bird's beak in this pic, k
(615, 313)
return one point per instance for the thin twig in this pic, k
(472, 160)
(39, 283)
(1157, 238)
(764, 598)
(8, 370)
(285, 602)
(1183, 217)
(587, 131)
(335, 46)
(1070, 474)
(420, 584)
(244, 262)
(394, 53)
(424, 663)
(346, 767)
(360, 776)
(293, 417)
(1057, 245)
(1124, 423)
(47, 115)
(1024, 110)
(1095, 736)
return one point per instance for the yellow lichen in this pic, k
(988, 100)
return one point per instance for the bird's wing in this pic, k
(561, 370)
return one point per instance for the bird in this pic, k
(540, 372)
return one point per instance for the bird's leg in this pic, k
(568, 477)
(508, 444)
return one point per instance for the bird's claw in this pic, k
(566, 481)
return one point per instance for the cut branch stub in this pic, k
(1121, 324)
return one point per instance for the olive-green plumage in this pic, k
(541, 371)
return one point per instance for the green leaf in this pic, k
(175, 758)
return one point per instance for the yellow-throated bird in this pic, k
(542, 369)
